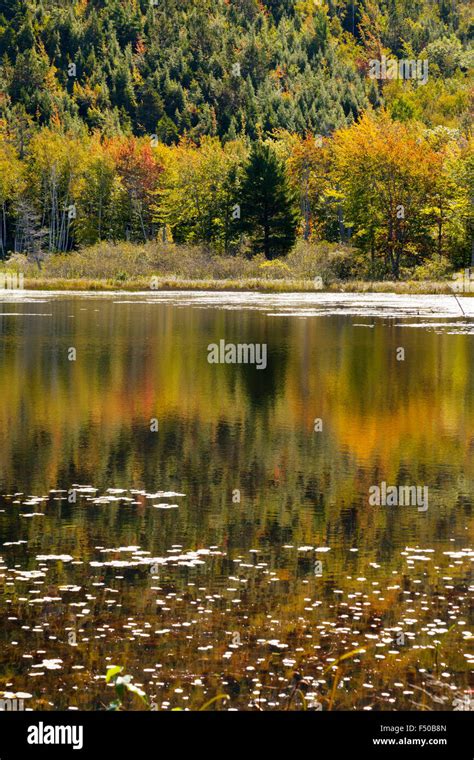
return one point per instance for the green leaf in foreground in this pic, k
(112, 671)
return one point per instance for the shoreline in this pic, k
(142, 284)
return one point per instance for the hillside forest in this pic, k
(240, 127)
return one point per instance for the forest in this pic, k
(240, 128)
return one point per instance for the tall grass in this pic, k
(127, 266)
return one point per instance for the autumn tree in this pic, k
(307, 163)
(138, 171)
(197, 194)
(11, 186)
(451, 196)
(382, 174)
(54, 179)
(98, 215)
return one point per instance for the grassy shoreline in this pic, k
(131, 267)
(242, 284)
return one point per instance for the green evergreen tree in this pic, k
(267, 205)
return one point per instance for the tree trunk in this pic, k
(440, 236)
(266, 241)
(3, 232)
(306, 206)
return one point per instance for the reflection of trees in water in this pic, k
(223, 427)
(228, 427)
(263, 386)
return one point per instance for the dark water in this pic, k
(271, 562)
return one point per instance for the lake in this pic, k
(223, 529)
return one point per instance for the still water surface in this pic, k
(234, 549)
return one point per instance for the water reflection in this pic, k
(223, 592)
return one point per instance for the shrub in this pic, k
(431, 270)
(331, 261)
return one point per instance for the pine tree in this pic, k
(267, 205)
